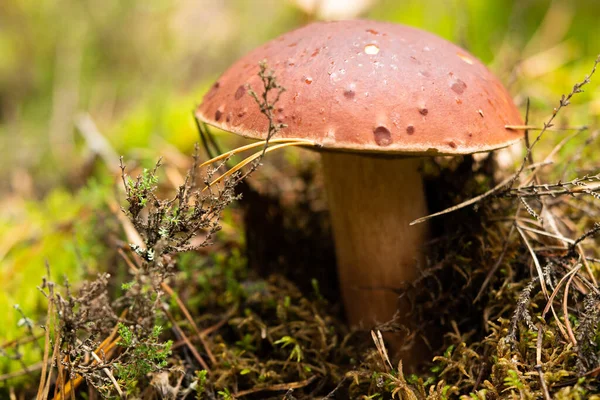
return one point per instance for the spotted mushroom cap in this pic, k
(369, 86)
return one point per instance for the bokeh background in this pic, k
(85, 81)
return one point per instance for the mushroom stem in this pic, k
(372, 200)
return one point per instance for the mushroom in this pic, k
(374, 98)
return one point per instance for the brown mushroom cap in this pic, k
(369, 86)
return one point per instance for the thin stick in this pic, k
(21, 341)
(16, 374)
(476, 198)
(518, 192)
(565, 100)
(592, 232)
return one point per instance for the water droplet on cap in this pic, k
(371, 49)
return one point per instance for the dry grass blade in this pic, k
(538, 267)
(110, 376)
(588, 269)
(97, 142)
(562, 144)
(381, 349)
(538, 365)
(262, 143)
(251, 158)
(544, 233)
(133, 236)
(565, 307)
(189, 318)
(46, 356)
(540, 128)
(55, 356)
(189, 344)
(278, 387)
(542, 280)
(549, 303)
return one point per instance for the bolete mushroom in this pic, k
(373, 97)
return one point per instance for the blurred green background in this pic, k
(84, 81)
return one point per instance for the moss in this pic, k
(507, 309)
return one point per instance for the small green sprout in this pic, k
(296, 350)
(201, 377)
